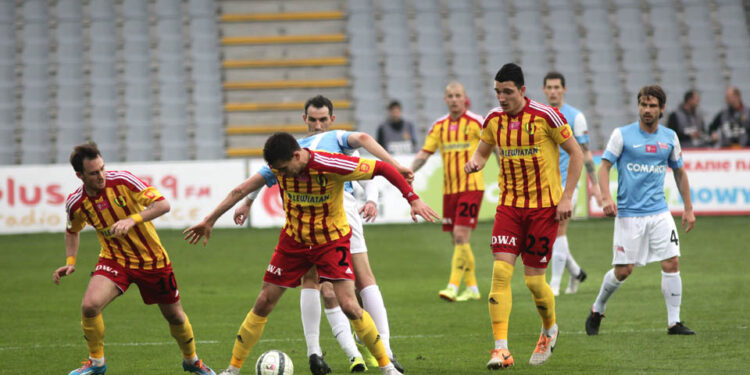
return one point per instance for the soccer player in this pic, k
(316, 233)
(319, 117)
(457, 136)
(531, 203)
(120, 206)
(554, 89)
(645, 231)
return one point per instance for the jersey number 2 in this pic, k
(343, 261)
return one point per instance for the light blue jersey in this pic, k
(577, 121)
(332, 141)
(642, 160)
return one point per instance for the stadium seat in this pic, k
(166, 9)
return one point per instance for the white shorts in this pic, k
(357, 240)
(645, 239)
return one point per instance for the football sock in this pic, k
(501, 344)
(543, 299)
(368, 333)
(93, 332)
(309, 305)
(551, 331)
(610, 284)
(559, 257)
(340, 327)
(457, 266)
(373, 302)
(500, 299)
(470, 277)
(183, 333)
(247, 337)
(573, 268)
(98, 362)
(671, 288)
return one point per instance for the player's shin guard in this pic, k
(559, 258)
(183, 333)
(93, 332)
(500, 299)
(247, 337)
(457, 266)
(470, 277)
(543, 298)
(671, 288)
(340, 327)
(368, 333)
(310, 311)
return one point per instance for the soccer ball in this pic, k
(274, 362)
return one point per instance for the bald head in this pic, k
(455, 98)
(734, 97)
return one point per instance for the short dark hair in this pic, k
(81, 152)
(510, 72)
(689, 95)
(319, 101)
(393, 104)
(280, 147)
(654, 90)
(554, 75)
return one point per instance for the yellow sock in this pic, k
(500, 299)
(543, 298)
(457, 265)
(368, 334)
(470, 277)
(247, 337)
(183, 333)
(93, 332)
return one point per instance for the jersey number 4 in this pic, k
(673, 238)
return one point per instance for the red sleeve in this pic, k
(391, 174)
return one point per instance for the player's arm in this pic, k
(194, 233)
(688, 217)
(369, 210)
(72, 239)
(154, 210)
(565, 206)
(588, 163)
(496, 151)
(608, 205)
(479, 159)
(419, 160)
(418, 207)
(364, 140)
(242, 212)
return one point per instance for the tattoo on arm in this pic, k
(591, 170)
(237, 193)
(418, 163)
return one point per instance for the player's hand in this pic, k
(609, 207)
(121, 227)
(62, 272)
(688, 220)
(471, 166)
(194, 233)
(369, 211)
(564, 209)
(422, 209)
(241, 213)
(406, 172)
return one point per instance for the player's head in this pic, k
(509, 88)
(89, 166)
(691, 99)
(734, 97)
(318, 114)
(455, 97)
(283, 153)
(394, 110)
(554, 88)
(651, 101)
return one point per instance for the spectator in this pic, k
(687, 122)
(396, 134)
(731, 126)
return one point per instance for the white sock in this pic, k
(454, 287)
(570, 263)
(550, 332)
(340, 327)
(609, 287)
(501, 344)
(671, 288)
(192, 360)
(474, 288)
(559, 257)
(372, 301)
(97, 361)
(235, 370)
(309, 305)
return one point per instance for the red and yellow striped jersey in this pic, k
(528, 142)
(457, 140)
(314, 200)
(123, 196)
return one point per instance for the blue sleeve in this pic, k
(612, 158)
(582, 139)
(675, 164)
(265, 171)
(343, 139)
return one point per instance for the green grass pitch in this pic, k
(40, 322)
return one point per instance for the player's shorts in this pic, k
(530, 232)
(645, 239)
(461, 209)
(358, 244)
(157, 286)
(291, 260)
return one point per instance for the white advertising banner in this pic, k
(719, 183)
(32, 198)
